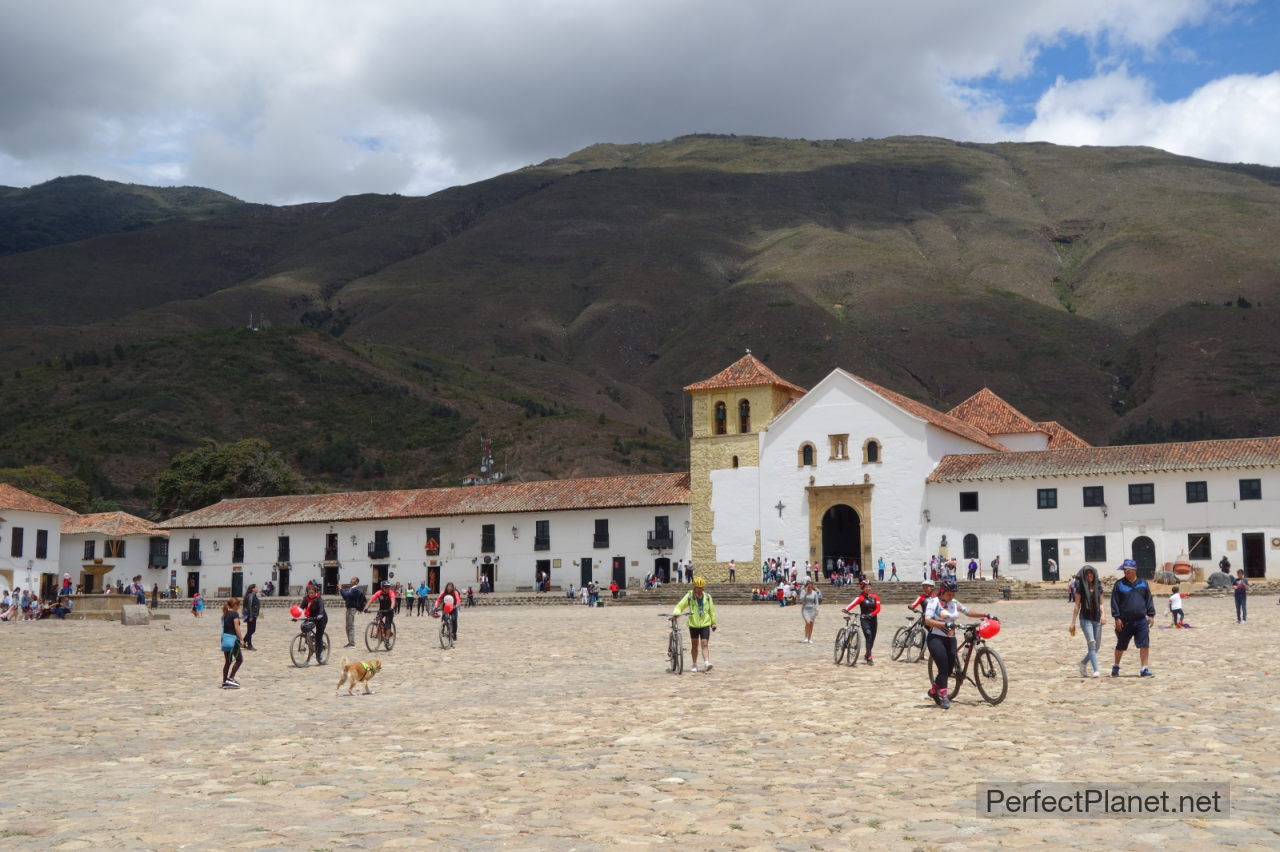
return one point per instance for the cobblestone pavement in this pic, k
(558, 728)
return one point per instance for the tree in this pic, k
(213, 472)
(49, 484)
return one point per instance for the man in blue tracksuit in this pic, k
(1134, 612)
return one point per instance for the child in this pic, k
(197, 605)
(1175, 608)
(1240, 588)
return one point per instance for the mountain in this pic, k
(559, 309)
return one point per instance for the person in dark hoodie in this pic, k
(1134, 612)
(1088, 613)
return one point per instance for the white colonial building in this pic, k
(851, 470)
(111, 548)
(30, 541)
(605, 529)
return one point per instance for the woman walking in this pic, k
(231, 656)
(940, 616)
(1088, 612)
(809, 600)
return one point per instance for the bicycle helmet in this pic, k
(699, 582)
(927, 582)
(950, 585)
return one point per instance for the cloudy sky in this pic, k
(285, 101)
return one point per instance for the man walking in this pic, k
(355, 599)
(252, 609)
(1134, 612)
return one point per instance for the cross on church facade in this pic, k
(779, 507)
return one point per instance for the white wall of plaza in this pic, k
(1008, 510)
(137, 551)
(460, 558)
(26, 569)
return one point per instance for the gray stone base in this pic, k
(135, 614)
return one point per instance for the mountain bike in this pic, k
(909, 640)
(988, 669)
(675, 646)
(849, 639)
(380, 634)
(448, 627)
(303, 647)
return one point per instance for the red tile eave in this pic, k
(747, 372)
(507, 498)
(1125, 460)
(943, 421)
(24, 501)
(115, 524)
(987, 411)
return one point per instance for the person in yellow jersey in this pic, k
(702, 621)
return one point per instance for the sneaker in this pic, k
(230, 683)
(943, 701)
(870, 662)
(707, 667)
(695, 668)
(1115, 671)
(933, 696)
(1146, 673)
(1084, 669)
(349, 645)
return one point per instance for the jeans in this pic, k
(1090, 630)
(1242, 608)
(351, 625)
(250, 625)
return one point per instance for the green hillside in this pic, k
(1125, 292)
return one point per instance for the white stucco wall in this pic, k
(735, 500)
(24, 571)
(571, 533)
(1007, 510)
(1020, 441)
(137, 549)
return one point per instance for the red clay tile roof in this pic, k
(747, 372)
(113, 524)
(993, 415)
(1139, 459)
(1060, 437)
(612, 492)
(19, 500)
(951, 424)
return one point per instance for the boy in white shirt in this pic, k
(1175, 607)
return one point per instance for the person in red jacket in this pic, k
(869, 603)
(926, 592)
(613, 589)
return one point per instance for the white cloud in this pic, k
(1234, 119)
(296, 100)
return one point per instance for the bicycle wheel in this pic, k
(839, 649)
(852, 646)
(299, 652)
(322, 653)
(446, 636)
(900, 637)
(371, 636)
(389, 637)
(917, 646)
(675, 653)
(989, 675)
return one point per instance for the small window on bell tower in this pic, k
(720, 427)
(744, 416)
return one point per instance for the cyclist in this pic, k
(702, 620)
(926, 592)
(386, 599)
(313, 608)
(869, 602)
(450, 593)
(940, 616)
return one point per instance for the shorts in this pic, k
(696, 633)
(1138, 630)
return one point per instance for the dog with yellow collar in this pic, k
(358, 672)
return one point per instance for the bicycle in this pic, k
(380, 633)
(675, 646)
(304, 647)
(447, 629)
(988, 667)
(909, 640)
(849, 640)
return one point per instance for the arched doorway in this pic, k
(1144, 553)
(841, 537)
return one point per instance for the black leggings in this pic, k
(869, 631)
(943, 651)
(250, 624)
(231, 661)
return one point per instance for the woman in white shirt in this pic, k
(940, 616)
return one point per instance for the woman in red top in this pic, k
(450, 593)
(926, 592)
(869, 603)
